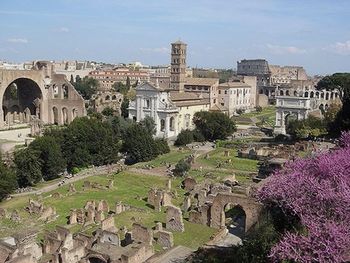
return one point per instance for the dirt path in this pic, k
(106, 169)
(176, 254)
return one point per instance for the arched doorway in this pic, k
(289, 119)
(74, 114)
(55, 115)
(172, 124)
(64, 116)
(96, 260)
(21, 99)
(235, 219)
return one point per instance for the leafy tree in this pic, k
(198, 136)
(120, 125)
(128, 85)
(312, 126)
(27, 167)
(124, 108)
(181, 168)
(77, 78)
(149, 125)
(331, 114)
(341, 82)
(258, 109)
(255, 248)
(90, 141)
(86, 86)
(139, 144)
(108, 111)
(184, 137)
(50, 156)
(213, 125)
(315, 190)
(8, 181)
(121, 88)
(162, 146)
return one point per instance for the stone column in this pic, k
(139, 108)
(167, 126)
(2, 123)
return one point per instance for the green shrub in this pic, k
(184, 137)
(181, 168)
(258, 109)
(162, 146)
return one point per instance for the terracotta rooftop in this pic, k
(228, 85)
(201, 81)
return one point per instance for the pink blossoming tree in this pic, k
(317, 191)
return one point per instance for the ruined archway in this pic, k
(64, 116)
(55, 115)
(251, 208)
(22, 98)
(234, 217)
(96, 259)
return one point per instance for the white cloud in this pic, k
(63, 29)
(18, 40)
(276, 49)
(162, 50)
(342, 48)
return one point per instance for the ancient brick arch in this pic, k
(251, 208)
(46, 83)
(96, 258)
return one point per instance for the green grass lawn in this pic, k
(173, 157)
(268, 113)
(237, 164)
(130, 188)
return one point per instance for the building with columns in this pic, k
(171, 111)
(298, 103)
(172, 104)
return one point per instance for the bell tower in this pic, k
(178, 66)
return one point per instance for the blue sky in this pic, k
(311, 33)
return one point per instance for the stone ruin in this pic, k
(44, 213)
(159, 198)
(262, 151)
(95, 212)
(21, 248)
(105, 245)
(92, 213)
(206, 203)
(188, 184)
(174, 220)
(61, 246)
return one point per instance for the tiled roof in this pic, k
(201, 81)
(228, 85)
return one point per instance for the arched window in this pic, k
(74, 114)
(64, 116)
(65, 91)
(281, 93)
(327, 96)
(306, 94)
(55, 115)
(287, 92)
(312, 94)
(162, 125)
(172, 124)
(107, 97)
(114, 97)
